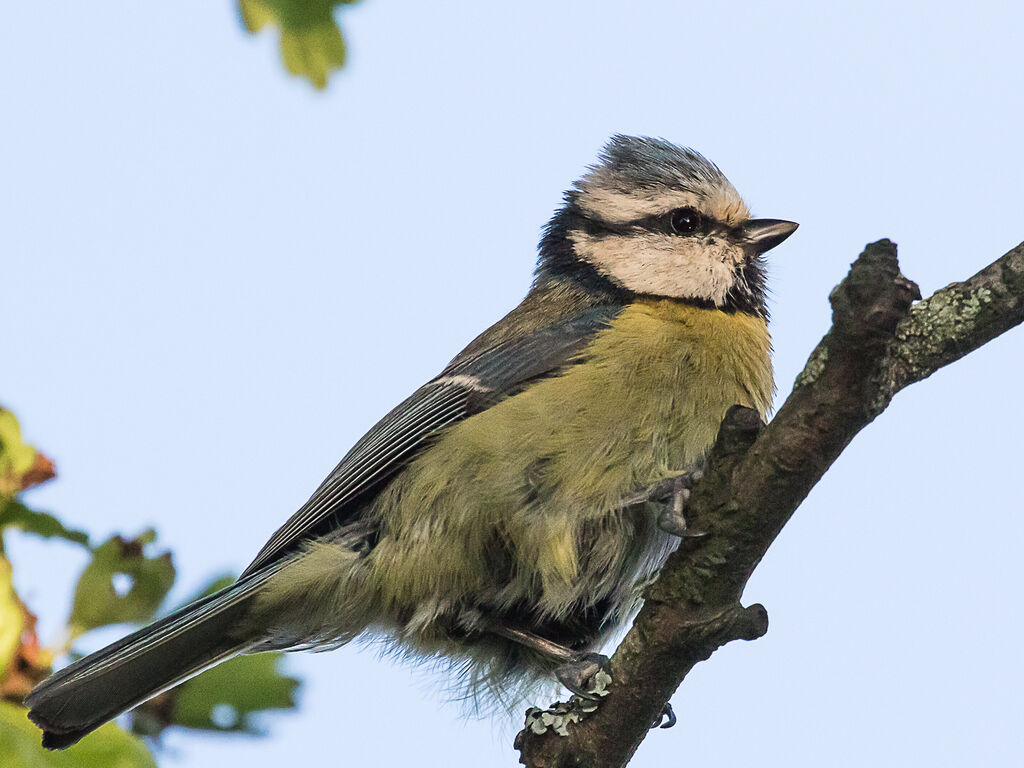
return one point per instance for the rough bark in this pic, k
(879, 343)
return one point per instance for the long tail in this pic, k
(95, 689)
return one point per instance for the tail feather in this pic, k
(84, 695)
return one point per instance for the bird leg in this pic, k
(672, 493)
(585, 674)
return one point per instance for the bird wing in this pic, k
(478, 378)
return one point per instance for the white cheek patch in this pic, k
(663, 265)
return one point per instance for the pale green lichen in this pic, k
(926, 339)
(934, 322)
(561, 714)
(814, 368)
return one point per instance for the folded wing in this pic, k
(478, 378)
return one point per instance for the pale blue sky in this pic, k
(215, 279)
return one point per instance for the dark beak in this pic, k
(760, 235)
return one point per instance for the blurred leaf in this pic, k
(255, 15)
(121, 584)
(40, 523)
(11, 618)
(16, 457)
(109, 747)
(23, 663)
(225, 698)
(21, 466)
(311, 42)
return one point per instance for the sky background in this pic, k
(215, 279)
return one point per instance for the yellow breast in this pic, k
(649, 399)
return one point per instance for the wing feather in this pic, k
(474, 381)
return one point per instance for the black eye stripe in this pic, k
(661, 224)
(658, 223)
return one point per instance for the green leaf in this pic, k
(40, 523)
(21, 466)
(108, 747)
(16, 457)
(226, 697)
(144, 583)
(311, 42)
(12, 620)
(255, 15)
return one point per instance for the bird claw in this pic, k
(666, 718)
(670, 487)
(587, 676)
(674, 493)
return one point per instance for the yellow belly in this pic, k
(537, 475)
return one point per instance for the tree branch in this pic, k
(758, 475)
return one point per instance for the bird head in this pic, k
(655, 219)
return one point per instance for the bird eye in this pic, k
(685, 221)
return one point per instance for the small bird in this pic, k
(507, 515)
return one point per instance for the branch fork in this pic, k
(757, 476)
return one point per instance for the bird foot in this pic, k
(586, 676)
(673, 493)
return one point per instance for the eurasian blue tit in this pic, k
(500, 517)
